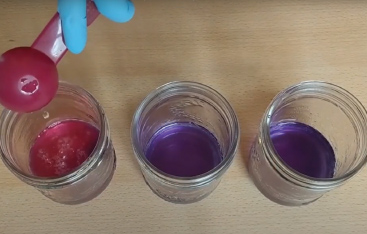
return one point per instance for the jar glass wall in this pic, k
(19, 132)
(335, 138)
(176, 103)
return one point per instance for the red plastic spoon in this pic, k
(28, 75)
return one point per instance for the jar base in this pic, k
(274, 198)
(92, 196)
(174, 200)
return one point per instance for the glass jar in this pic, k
(184, 102)
(19, 131)
(331, 110)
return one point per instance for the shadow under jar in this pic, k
(63, 150)
(312, 139)
(184, 136)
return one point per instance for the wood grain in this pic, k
(246, 49)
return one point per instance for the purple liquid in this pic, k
(304, 149)
(184, 149)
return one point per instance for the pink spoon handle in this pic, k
(50, 41)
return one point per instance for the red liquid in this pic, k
(62, 147)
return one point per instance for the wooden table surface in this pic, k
(246, 49)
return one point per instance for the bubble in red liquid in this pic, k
(28, 79)
(62, 147)
(28, 85)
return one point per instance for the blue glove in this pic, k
(74, 20)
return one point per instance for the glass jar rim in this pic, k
(81, 171)
(194, 180)
(278, 164)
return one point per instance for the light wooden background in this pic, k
(246, 49)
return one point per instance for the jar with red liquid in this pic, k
(64, 150)
(312, 139)
(185, 136)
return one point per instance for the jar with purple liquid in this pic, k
(64, 150)
(184, 136)
(312, 139)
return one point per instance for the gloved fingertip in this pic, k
(130, 11)
(120, 11)
(75, 46)
(75, 36)
(74, 24)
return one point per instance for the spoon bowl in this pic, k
(28, 78)
(28, 75)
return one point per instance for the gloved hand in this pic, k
(74, 20)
